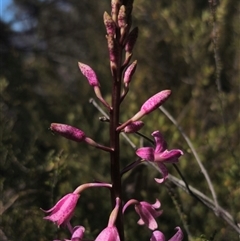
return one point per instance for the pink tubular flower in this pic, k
(68, 132)
(110, 233)
(146, 211)
(159, 236)
(62, 212)
(160, 154)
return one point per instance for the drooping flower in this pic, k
(63, 211)
(110, 233)
(160, 154)
(78, 233)
(159, 236)
(147, 212)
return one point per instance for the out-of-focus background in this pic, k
(41, 42)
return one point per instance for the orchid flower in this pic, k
(63, 211)
(160, 154)
(159, 236)
(147, 212)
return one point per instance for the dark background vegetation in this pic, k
(41, 83)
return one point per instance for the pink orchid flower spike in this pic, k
(159, 236)
(63, 211)
(160, 154)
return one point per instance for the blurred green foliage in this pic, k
(40, 84)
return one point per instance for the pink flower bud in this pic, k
(129, 73)
(133, 127)
(89, 73)
(109, 24)
(69, 132)
(115, 9)
(151, 104)
(122, 17)
(131, 40)
(155, 101)
(112, 49)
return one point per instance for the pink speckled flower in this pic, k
(160, 154)
(62, 212)
(146, 211)
(159, 236)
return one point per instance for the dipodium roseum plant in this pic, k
(121, 39)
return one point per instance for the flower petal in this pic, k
(168, 156)
(160, 143)
(178, 235)
(164, 171)
(157, 236)
(146, 153)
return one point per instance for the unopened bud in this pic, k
(152, 104)
(89, 73)
(109, 24)
(129, 73)
(69, 132)
(133, 127)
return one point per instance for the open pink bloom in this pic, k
(62, 212)
(148, 213)
(159, 236)
(77, 234)
(160, 154)
(108, 234)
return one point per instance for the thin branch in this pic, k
(204, 171)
